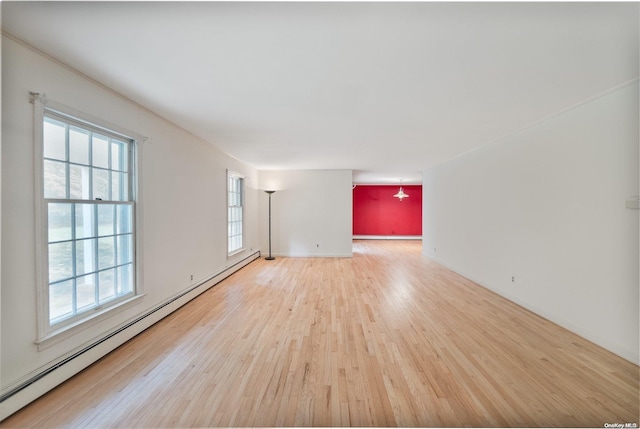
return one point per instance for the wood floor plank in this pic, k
(386, 338)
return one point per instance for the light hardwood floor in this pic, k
(387, 338)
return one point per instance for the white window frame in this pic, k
(232, 223)
(50, 334)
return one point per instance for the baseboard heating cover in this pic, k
(50, 377)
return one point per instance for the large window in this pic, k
(89, 209)
(235, 203)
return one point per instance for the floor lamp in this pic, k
(270, 258)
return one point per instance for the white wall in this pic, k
(311, 212)
(547, 206)
(183, 199)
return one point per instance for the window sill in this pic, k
(235, 252)
(58, 335)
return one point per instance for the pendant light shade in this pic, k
(401, 194)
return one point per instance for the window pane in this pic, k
(55, 179)
(101, 184)
(60, 300)
(86, 289)
(107, 287)
(125, 157)
(125, 187)
(54, 139)
(60, 222)
(85, 256)
(106, 219)
(118, 155)
(60, 261)
(237, 242)
(125, 279)
(100, 151)
(78, 145)
(106, 252)
(116, 190)
(79, 188)
(125, 249)
(125, 213)
(84, 220)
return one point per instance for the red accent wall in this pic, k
(377, 212)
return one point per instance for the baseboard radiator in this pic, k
(50, 377)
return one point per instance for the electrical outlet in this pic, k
(513, 279)
(191, 277)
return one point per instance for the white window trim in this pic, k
(235, 174)
(48, 335)
(93, 318)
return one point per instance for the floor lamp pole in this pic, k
(269, 258)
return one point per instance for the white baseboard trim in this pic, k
(47, 378)
(319, 255)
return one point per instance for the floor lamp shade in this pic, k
(270, 258)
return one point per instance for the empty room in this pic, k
(312, 214)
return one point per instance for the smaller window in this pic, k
(235, 212)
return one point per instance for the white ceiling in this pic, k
(385, 89)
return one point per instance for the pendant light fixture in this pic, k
(400, 195)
